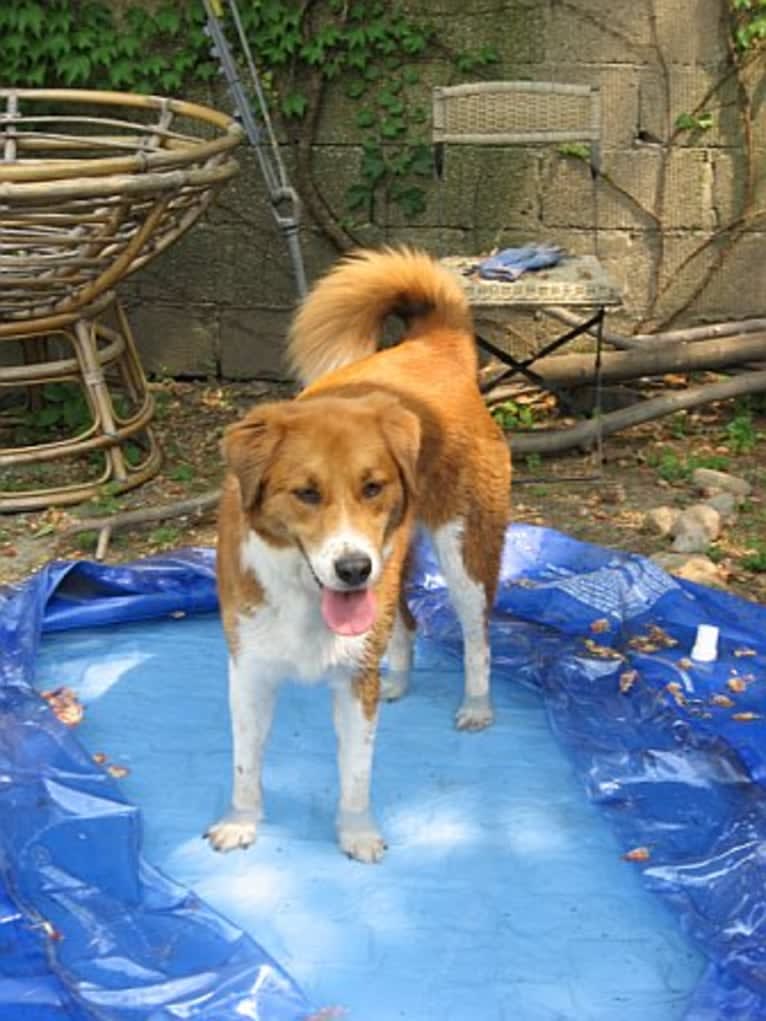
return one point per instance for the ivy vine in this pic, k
(370, 48)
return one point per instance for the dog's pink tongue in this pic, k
(349, 613)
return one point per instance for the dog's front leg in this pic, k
(252, 696)
(355, 714)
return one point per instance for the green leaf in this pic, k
(422, 161)
(365, 118)
(181, 473)
(168, 20)
(56, 392)
(295, 104)
(47, 417)
(577, 150)
(359, 197)
(692, 122)
(392, 127)
(356, 88)
(30, 17)
(412, 200)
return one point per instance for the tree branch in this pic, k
(585, 433)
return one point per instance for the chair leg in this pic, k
(597, 409)
(98, 391)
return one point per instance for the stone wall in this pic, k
(218, 302)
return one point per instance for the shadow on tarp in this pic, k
(672, 770)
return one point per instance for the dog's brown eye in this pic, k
(371, 489)
(308, 494)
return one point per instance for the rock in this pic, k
(696, 568)
(661, 520)
(725, 503)
(614, 494)
(709, 481)
(695, 528)
(692, 539)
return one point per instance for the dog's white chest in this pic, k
(287, 634)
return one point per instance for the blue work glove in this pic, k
(510, 263)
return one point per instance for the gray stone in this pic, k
(253, 343)
(695, 528)
(175, 340)
(725, 503)
(709, 481)
(692, 538)
(662, 519)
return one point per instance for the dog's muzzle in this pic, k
(353, 569)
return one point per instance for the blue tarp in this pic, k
(90, 930)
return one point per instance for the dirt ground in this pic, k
(644, 467)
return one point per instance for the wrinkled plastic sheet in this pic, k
(87, 928)
(671, 770)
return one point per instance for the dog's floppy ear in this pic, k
(249, 447)
(401, 429)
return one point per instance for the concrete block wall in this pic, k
(218, 302)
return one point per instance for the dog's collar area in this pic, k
(306, 557)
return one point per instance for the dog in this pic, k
(317, 513)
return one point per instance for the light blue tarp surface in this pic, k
(504, 893)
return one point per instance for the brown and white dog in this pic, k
(318, 510)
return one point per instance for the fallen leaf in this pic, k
(661, 637)
(627, 680)
(676, 691)
(722, 700)
(601, 651)
(637, 854)
(65, 706)
(51, 931)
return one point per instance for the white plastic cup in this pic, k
(706, 644)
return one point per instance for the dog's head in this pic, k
(331, 477)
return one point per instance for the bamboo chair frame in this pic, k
(93, 185)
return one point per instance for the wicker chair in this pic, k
(92, 186)
(510, 113)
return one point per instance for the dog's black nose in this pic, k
(353, 569)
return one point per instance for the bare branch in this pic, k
(585, 433)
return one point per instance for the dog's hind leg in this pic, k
(395, 682)
(471, 595)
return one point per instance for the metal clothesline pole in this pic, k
(285, 203)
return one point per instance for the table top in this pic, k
(576, 280)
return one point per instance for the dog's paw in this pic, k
(474, 714)
(393, 685)
(359, 838)
(234, 830)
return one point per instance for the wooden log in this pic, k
(629, 342)
(585, 433)
(143, 515)
(578, 369)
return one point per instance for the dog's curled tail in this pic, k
(341, 319)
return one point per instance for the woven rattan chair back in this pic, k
(92, 186)
(517, 113)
